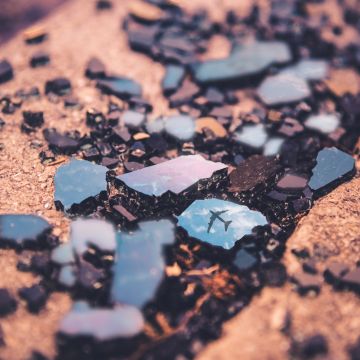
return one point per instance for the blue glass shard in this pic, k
(174, 75)
(67, 276)
(174, 175)
(181, 127)
(139, 267)
(244, 260)
(102, 324)
(245, 60)
(92, 232)
(332, 165)
(21, 229)
(63, 254)
(308, 69)
(253, 135)
(282, 89)
(133, 119)
(218, 222)
(77, 181)
(121, 87)
(325, 123)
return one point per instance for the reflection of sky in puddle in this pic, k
(196, 221)
(139, 266)
(174, 175)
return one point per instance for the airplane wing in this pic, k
(212, 219)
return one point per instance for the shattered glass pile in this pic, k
(161, 208)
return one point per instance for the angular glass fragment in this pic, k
(174, 175)
(60, 142)
(67, 276)
(58, 86)
(332, 165)
(308, 69)
(245, 60)
(139, 266)
(254, 171)
(92, 232)
(325, 123)
(283, 88)
(77, 181)
(6, 71)
(244, 260)
(291, 182)
(121, 87)
(253, 135)
(181, 127)
(273, 146)
(95, 69)
(218, 222)
(102, 324)
(21, 230)
(174, 75)
(133, 119)
(63, 254)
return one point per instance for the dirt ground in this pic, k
(77, 33)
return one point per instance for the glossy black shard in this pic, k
(103, 324)
(58, 86)
(104, 4)
(7, 303)
(335, 272)
(61, 143)
(245, 60)
(34, 119)
(218, 222)
(245, 261)
(78, 182)
(121, 87)
(174, 75)
(311, 347)
(40, 58)
(35, 297)
(19, 230)
(255, 171)
(6, 71)
(95, 69)
(332, 167)
(140, 264)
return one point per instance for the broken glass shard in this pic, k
(119, 86)
(283, 88)
(174, 75)
(325, 123)
(63, 254)
(140, 264)
(60, 142)
(6, 71)
(22, 230)
(273, 146)
(244, 260)
(308, 69)
(253, 135)
(102, 324)
(245, 60)
(254, 171)
(78, 181)
(133, 119)
(174, 175)
(291, 182)
(92, 232)
(332, 165)
(181, 127)
(218, 222)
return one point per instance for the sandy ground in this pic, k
(26, 186)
